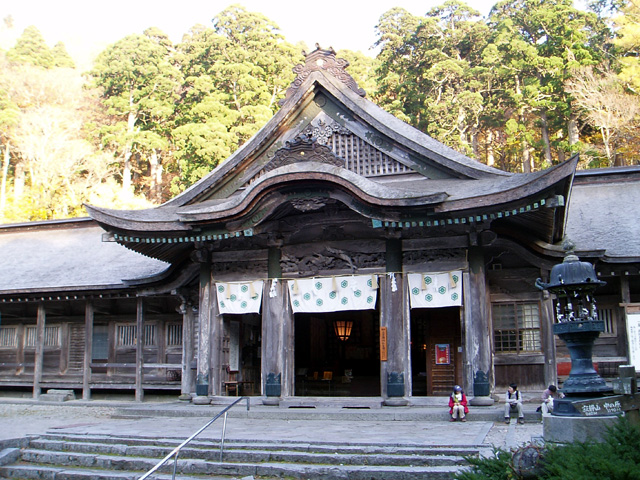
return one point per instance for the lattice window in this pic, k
(8, 337)
(127, 335)
(51, 336)
(362, 158)
(608, 316)
(359, 156)
(174, 335)
(516, 327)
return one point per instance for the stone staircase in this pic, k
(108, 457)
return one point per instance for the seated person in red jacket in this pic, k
(458, 404)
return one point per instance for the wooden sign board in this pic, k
(383, 344)
(633, 336)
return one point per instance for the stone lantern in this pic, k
(573, 282)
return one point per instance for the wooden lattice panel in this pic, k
(363, 159)
(359, 156)
(76, 352)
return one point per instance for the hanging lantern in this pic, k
(343, 329)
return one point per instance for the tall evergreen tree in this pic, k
(540, 42)
(31, 48)
(234, 73)
(138, 83)
(427, 71)
(61, 57)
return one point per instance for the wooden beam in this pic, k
(39, 355)
(139, 350)
(88, 350)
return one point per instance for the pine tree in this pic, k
(31, 48)
(61, 57)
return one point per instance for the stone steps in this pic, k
(106, 457)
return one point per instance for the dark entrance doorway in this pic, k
(241, 354)
(325, 365)
(436, 357)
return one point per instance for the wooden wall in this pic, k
(65, 339)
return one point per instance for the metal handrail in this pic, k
(176, 451)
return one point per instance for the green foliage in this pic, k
(138, 81)
(61, 57)
(234, 76)
(497, 467)
(617, 458)
(157, 117)
(455, 75)
(31, 48)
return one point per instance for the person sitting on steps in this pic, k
(548, 397)
(458, 404)
(513, 403)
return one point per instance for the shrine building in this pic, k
(339, 252)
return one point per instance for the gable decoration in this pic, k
(333, 294)
(239, 297)
(432, 290)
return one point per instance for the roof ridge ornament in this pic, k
(303, 148)
(325, 61)
(323, 131)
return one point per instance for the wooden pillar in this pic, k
(289, 346)
(88, 350)
(204, 331)
(621, 327)
(20, 334)
(625, 293)
(215, 342)
(187, 386)
(65, 343)
(547, 316)
(139, 350)
(394, 318)
(478, 352)
(39, 355)
(277, 332)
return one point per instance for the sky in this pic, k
(86, 27)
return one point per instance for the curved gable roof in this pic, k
(291, 152)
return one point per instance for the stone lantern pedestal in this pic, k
(573, 283)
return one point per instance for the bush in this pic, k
(497, 467)
(617, 458)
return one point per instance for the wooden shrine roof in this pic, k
(67, 256)
(328, 138)
(71, 255)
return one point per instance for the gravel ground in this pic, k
(512, 436)
(17, 420)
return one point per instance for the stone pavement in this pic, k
(424, 425)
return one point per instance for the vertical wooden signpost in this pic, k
(383, 344)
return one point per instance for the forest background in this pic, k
(522, 89)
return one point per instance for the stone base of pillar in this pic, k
(201, 400)
(481, 401)
(185, 397)
(395, 402)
